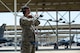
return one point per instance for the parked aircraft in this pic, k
(2, 39)
(66, 42)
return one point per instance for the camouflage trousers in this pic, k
(27, 47)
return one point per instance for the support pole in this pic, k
(57, 27)
(5, 6)
(15, 9)
(70, 29)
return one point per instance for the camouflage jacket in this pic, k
(27, 33)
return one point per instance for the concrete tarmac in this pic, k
(55, 51)
(41, 50)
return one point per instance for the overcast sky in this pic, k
(9, 19)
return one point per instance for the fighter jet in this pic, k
(66, 42)
(2, 39)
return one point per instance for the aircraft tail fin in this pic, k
(2, 29)
(72, 38)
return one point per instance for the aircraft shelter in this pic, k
(46, 5)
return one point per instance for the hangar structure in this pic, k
(60, 27)
(41, 5)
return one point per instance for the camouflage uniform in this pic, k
(28, 36)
